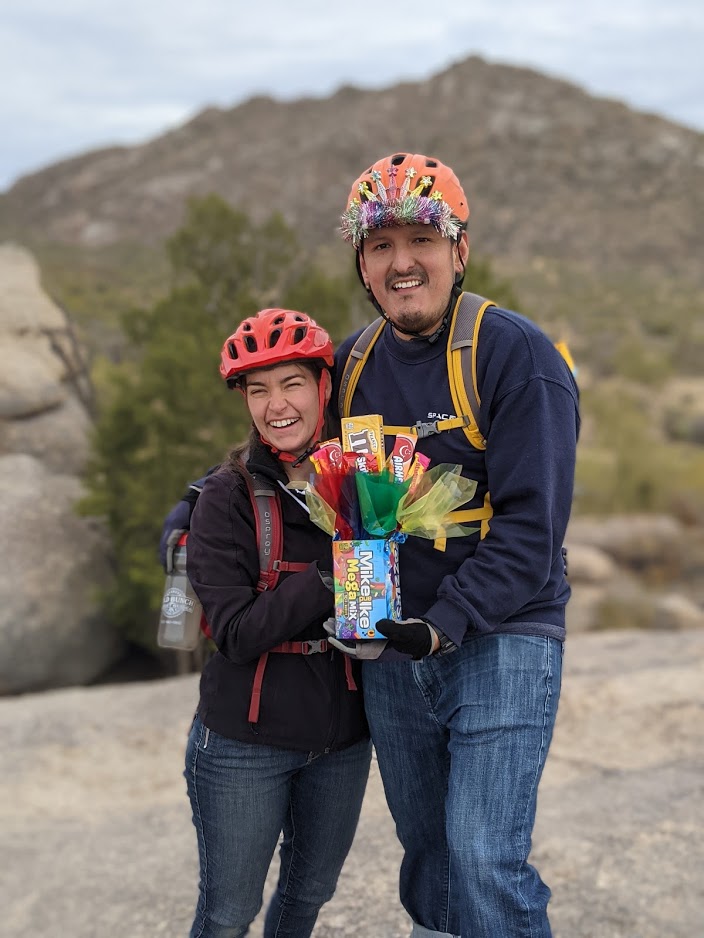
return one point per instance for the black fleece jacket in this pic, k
(305, 703)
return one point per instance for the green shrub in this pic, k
(627, 465)
(166, 415)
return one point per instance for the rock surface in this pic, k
(97, 837)
(53, 563)
(639, 571)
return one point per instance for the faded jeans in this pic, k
(461, 741)
(243, 796)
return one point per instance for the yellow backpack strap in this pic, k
(462, 362)
(564, 350)
(427, 428)
(462, 371)
(356, 360)
(483, 515)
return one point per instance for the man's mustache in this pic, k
(415, 274)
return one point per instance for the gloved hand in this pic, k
(410, 636)
(180, 515)
(178, 519)
(413, 637)
(367, 650)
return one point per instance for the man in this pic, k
(462, 699)
(462, 732)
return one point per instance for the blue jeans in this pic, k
(461, 741)
(243, 796)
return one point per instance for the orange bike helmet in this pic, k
(405, 189)
(272, 337)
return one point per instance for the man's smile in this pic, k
(407, 284)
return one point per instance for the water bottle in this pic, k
(181, 611)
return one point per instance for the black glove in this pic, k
(178, 519)
(412, 637)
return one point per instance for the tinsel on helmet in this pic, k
(362, 217)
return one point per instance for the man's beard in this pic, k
(416, 320)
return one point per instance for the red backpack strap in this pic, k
(268, 529)
(349, 675)
(269, 532)
(256, 698)
(204, 627)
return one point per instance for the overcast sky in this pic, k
(81, 74)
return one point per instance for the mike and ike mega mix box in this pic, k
(365, 572)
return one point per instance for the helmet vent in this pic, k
(398, 159)
(250, 343)
(274, 337)
(278, 321)
(432, 163)
(232, 350)
(299, 335)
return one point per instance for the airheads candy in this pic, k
(399, 462)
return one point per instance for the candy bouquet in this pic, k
(369, 505)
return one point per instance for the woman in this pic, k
(279, 742)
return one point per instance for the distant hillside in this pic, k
(551, 172)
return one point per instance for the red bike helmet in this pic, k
(272, 337)
(405, 189)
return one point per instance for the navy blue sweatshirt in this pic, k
(514, 579)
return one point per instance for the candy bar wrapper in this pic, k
(328, 457)
(416, 471)
(399, 462)
(367, 586)
(364, 435)
(361, 462)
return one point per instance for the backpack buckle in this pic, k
(314, 646)
(426, 429)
